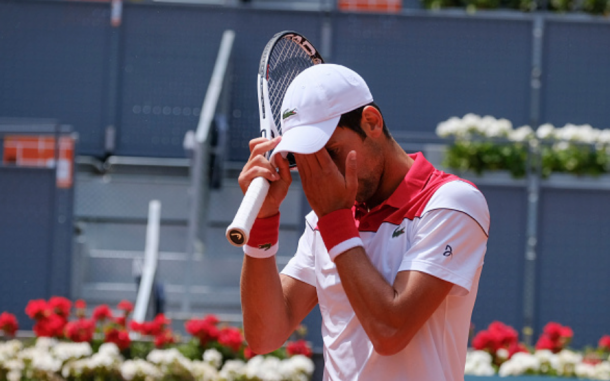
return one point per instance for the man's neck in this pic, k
(396, 165)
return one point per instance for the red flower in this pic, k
(80, 306)
(101, 313)
(553, 331)
(164, 338)
(161, 321)
(37, 309)
(205, 329)
(60, 305)
(151, 328)
(604, 343)
(566, 332)
(545, 342)
(516, 348)
(505, 334)
(118, 337)
(211, 319)
(555, 337)
(8, 324)
(299, 347)
(51, 326)
(80, 330)
(126, 306)
(231, 337)
(120, 320)
(486, 340)
(249, 353)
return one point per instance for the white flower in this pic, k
(509, 368)
(451, 127)
(602, 371)
(548, 360)
(582, 134)
(13, 375)
(45, 342)
(265, 368)
(298, 364)
(164, 356)
(108, 358)
(30, 353)
(14, 364)
(75, 368)
(202, 371)
(520, 363)
(567, 361)
(545, 131)
(44, 362)
(499, 128)
(213, 357)
(471, 122)
(502, 353)
(9, 349)
(583, 370)
(131, 369)
(67, 351)
(604, 137)
(478, 363)
(521, 134)
(110, 349)
(232, 370)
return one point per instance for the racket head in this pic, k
(286, 55)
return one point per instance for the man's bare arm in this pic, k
(390, 314)
(273, 305)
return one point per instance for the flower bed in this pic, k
(496, 351)
(68, 346)
(487, 144)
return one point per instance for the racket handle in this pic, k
(238, 232)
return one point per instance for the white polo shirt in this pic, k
(433, 223)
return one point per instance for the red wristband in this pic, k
(264, 237)
(339, 232)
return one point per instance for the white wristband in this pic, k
(344, 246)
(263, 251)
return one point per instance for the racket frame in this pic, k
(238, 232)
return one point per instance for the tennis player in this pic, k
(392, 251)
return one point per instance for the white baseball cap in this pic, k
(314, 103)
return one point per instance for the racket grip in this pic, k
(238, 231)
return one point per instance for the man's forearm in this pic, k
(265, 313)
(391, 314)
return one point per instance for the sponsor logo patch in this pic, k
(288, 113)
(265, 246)
(399, 231)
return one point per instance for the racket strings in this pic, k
(286, 61)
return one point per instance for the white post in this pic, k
(151, 255)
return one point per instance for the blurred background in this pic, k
(107, 105)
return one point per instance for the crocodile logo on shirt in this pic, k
(265, 246)
(399, 230)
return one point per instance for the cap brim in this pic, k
(306, 139)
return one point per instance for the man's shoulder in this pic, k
(463, 197)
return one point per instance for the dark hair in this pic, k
(353, 118)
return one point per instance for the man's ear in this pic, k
(372, 122)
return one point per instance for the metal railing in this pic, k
(211, 120)
(151, 257)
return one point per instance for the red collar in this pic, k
(415, 180)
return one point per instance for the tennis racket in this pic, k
(285, 56)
